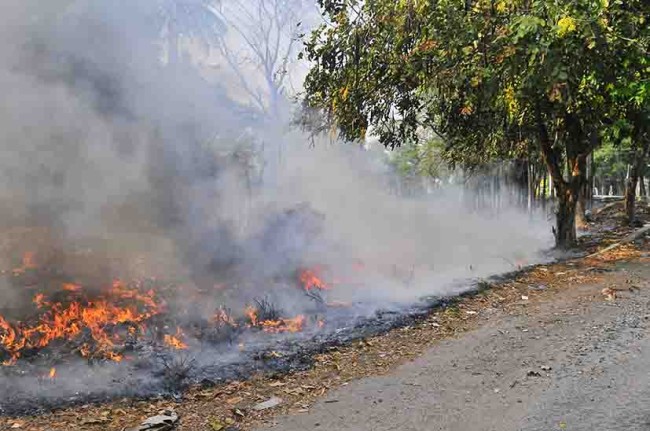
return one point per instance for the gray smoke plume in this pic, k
(117, 164)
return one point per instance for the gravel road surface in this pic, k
(577, 362)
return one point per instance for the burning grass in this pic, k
(97, 327)
(106, 323)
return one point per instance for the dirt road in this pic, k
(573, 362)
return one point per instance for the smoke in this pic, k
(406, 246)
(115, 165)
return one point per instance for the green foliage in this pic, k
(482, 74)
(610, 161)
(420, 159)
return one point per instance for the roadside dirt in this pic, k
(570, 361)
(562, 346)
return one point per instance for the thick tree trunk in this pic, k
(565, 233)
(583, 191)
(578, 145)
(567, 191)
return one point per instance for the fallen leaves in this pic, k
(216, 424)
(609, 293)
(234, 400)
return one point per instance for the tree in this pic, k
(260, 45)
(195, 20)
(632, 130)
(494, 79)
(610, 165)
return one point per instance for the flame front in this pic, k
(310, 279)
(283, 325)
(277, 326)
(175, 341)
(97, 320)
(98, 324)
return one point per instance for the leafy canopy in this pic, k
(484, 75)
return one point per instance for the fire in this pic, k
(71, 287)
(174, 341)
(97, 319)
(251, 313)
(283, 325)
(39, 300)
(294, 325)
(275, 326)
(310, 279)
(99, 324)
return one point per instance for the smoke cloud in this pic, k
(117, 165)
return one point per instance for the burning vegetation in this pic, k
(108, 323)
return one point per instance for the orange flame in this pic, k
(252, 315)
(60, 321)
(100, 324)
(283, 325)
(275, 326)
(71, 287)
(311, 280)
(174, 341)
(39, 300)
(293, 325)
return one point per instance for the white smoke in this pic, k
(147, 166)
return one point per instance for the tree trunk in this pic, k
(578, 145)
(583, 184)
(630, 197)
(591, 182)
(565, 233)
(567, 191)
(632, 181)
(544, 195)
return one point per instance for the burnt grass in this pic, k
(163, 374)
